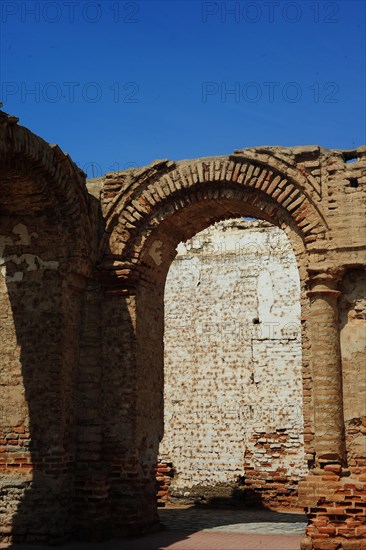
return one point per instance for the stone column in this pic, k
(327, 371)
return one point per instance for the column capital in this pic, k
(323, 281)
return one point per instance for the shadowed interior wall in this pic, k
(39, 312)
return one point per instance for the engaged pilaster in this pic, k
(327, 371)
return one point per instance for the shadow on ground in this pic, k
(214, 524)
(197, 528)
(211, 524)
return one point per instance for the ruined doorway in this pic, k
(233, 418)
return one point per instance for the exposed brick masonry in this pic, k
(82, 274)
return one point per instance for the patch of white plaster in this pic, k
(181, 249)
(31, 262)
(155, 252)
(22, 232)
(232, 358)
(15, 278)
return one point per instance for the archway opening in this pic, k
(233, 415)
(139, 308)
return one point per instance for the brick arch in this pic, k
(37, 178)
(45, 236)
(260, 185)
(110, 345)
(147, 213)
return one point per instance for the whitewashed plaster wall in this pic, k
(233, 356)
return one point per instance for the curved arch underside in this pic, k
(177, 201)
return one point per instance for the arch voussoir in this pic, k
(274, 191)
(282, 184)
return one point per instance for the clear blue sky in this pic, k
(123, 83)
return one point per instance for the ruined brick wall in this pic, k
(233, 371)
(82, 370)
(39, 311)
(44, 257)
(352, 320)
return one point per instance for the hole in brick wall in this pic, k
(353, 183)
(256, 321)
(349, 158)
